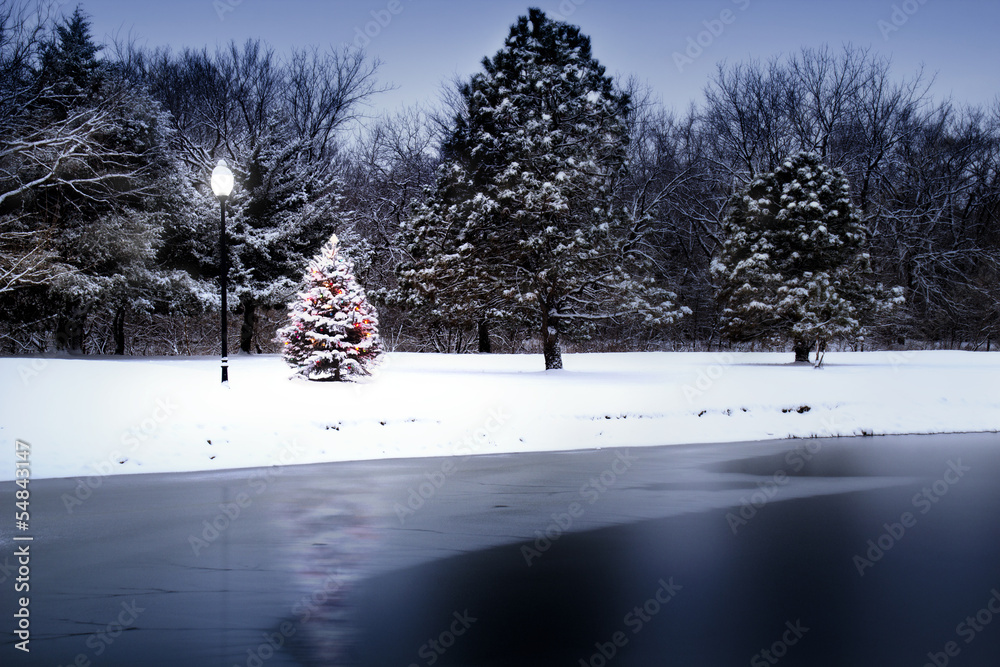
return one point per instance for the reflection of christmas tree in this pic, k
(333, 329)
(329, 531)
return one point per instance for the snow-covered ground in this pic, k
(87, 417)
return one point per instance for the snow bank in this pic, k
(85, 417)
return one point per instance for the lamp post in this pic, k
(222, 186)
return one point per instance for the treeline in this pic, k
(109, 230)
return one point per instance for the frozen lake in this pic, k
(861, 551)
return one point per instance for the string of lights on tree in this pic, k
(332, 332)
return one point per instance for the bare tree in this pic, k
(745, 117)
(822, 92)
(673, 206)
(941, 225)
(325, 92)
(27, 259)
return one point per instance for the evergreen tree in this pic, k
(333, 328)
(86, 170)
(523, 224)
(793, 266)
(280, 215)
(69, 65)
(440, 281)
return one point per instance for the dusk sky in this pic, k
(428, 41)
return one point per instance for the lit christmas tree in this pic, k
(333, 329)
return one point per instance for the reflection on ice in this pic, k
(329, 529)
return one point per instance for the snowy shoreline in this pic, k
(103, 416)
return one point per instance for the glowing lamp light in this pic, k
(222, 180)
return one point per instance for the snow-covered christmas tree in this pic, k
(333, 328)
(793, 266)
(524, 224)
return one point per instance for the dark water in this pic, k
(874, 551)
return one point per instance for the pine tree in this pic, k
(524, 224)
(69, 66)
(793, 266)
(279, 216)
(86, 171)
(333, 328)
(439, 280)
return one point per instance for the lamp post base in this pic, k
(225, 371)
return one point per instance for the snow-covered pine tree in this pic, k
(85, 174)
(525, 224)
(278, 218)
(333, 328)
(442, 280)
(793, 266)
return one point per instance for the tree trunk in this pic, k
(821, 352)
(249, 325)
(484, 337)
(802, 349)
(70, 332)
(550, 343)
(119, 330)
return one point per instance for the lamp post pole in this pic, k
(224, 280)
(222, 186)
